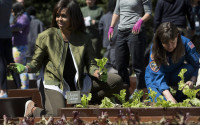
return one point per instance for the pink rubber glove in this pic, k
(137, 26)
(110, 32)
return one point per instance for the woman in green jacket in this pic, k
(65, 50)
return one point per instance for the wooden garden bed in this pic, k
(94, 112)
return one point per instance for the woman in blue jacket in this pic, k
(170, 53)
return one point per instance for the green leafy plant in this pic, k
(122, 96)
(102, 70)
(161, 102)
(181, 84)
(152, 95)
(101, 63)
(106, 103)
(172, 91)
(135, 101)
(84, 101)
(191, 93)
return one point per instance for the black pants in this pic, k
(6, 58)
(131, 44)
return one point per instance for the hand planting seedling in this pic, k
(190, 92)
(102, 70)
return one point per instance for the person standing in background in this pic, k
(36, 27)
(177, 12)
(196, 18)
(6, 47)
(20, 29)
(11, 16)
(92, 15)
(104, 25)
(131, 37)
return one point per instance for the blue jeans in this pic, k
(131, 44)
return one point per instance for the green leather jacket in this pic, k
(51, 52)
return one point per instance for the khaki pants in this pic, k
(54, 100)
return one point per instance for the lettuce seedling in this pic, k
(152, 95)
(122, 96)
(101, 64)
(84, 101)
(106, 103)
(162, 102)
(191, 93)
(135, 101)
(181, 84)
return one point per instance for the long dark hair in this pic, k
(18, 10)
(164, 34)
(75, 15)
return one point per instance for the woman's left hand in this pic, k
(190, 84)
(137, 26)
(102, 76)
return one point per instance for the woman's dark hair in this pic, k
(31, 11)
(74, 13)
(111, 5)
(164, 34)
(18, 10)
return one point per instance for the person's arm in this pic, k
(191, 56)
(91, 63)
(39, 54)
(137, 26)
(89, 59)
(190, 17)
(168, 96)
(146, 17)
(158, 15)
(115, 18)
(37, 59)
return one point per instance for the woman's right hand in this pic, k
(110, 32)
(168, 96)
(17, 67)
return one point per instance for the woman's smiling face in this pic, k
(62, 19)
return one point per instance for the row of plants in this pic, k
(150, 101)
(122, 118)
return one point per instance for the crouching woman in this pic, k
(64, 51)
(170, 53)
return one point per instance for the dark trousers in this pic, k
(97, 45)
(6, 57)
(131, 44)
(54, 100)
